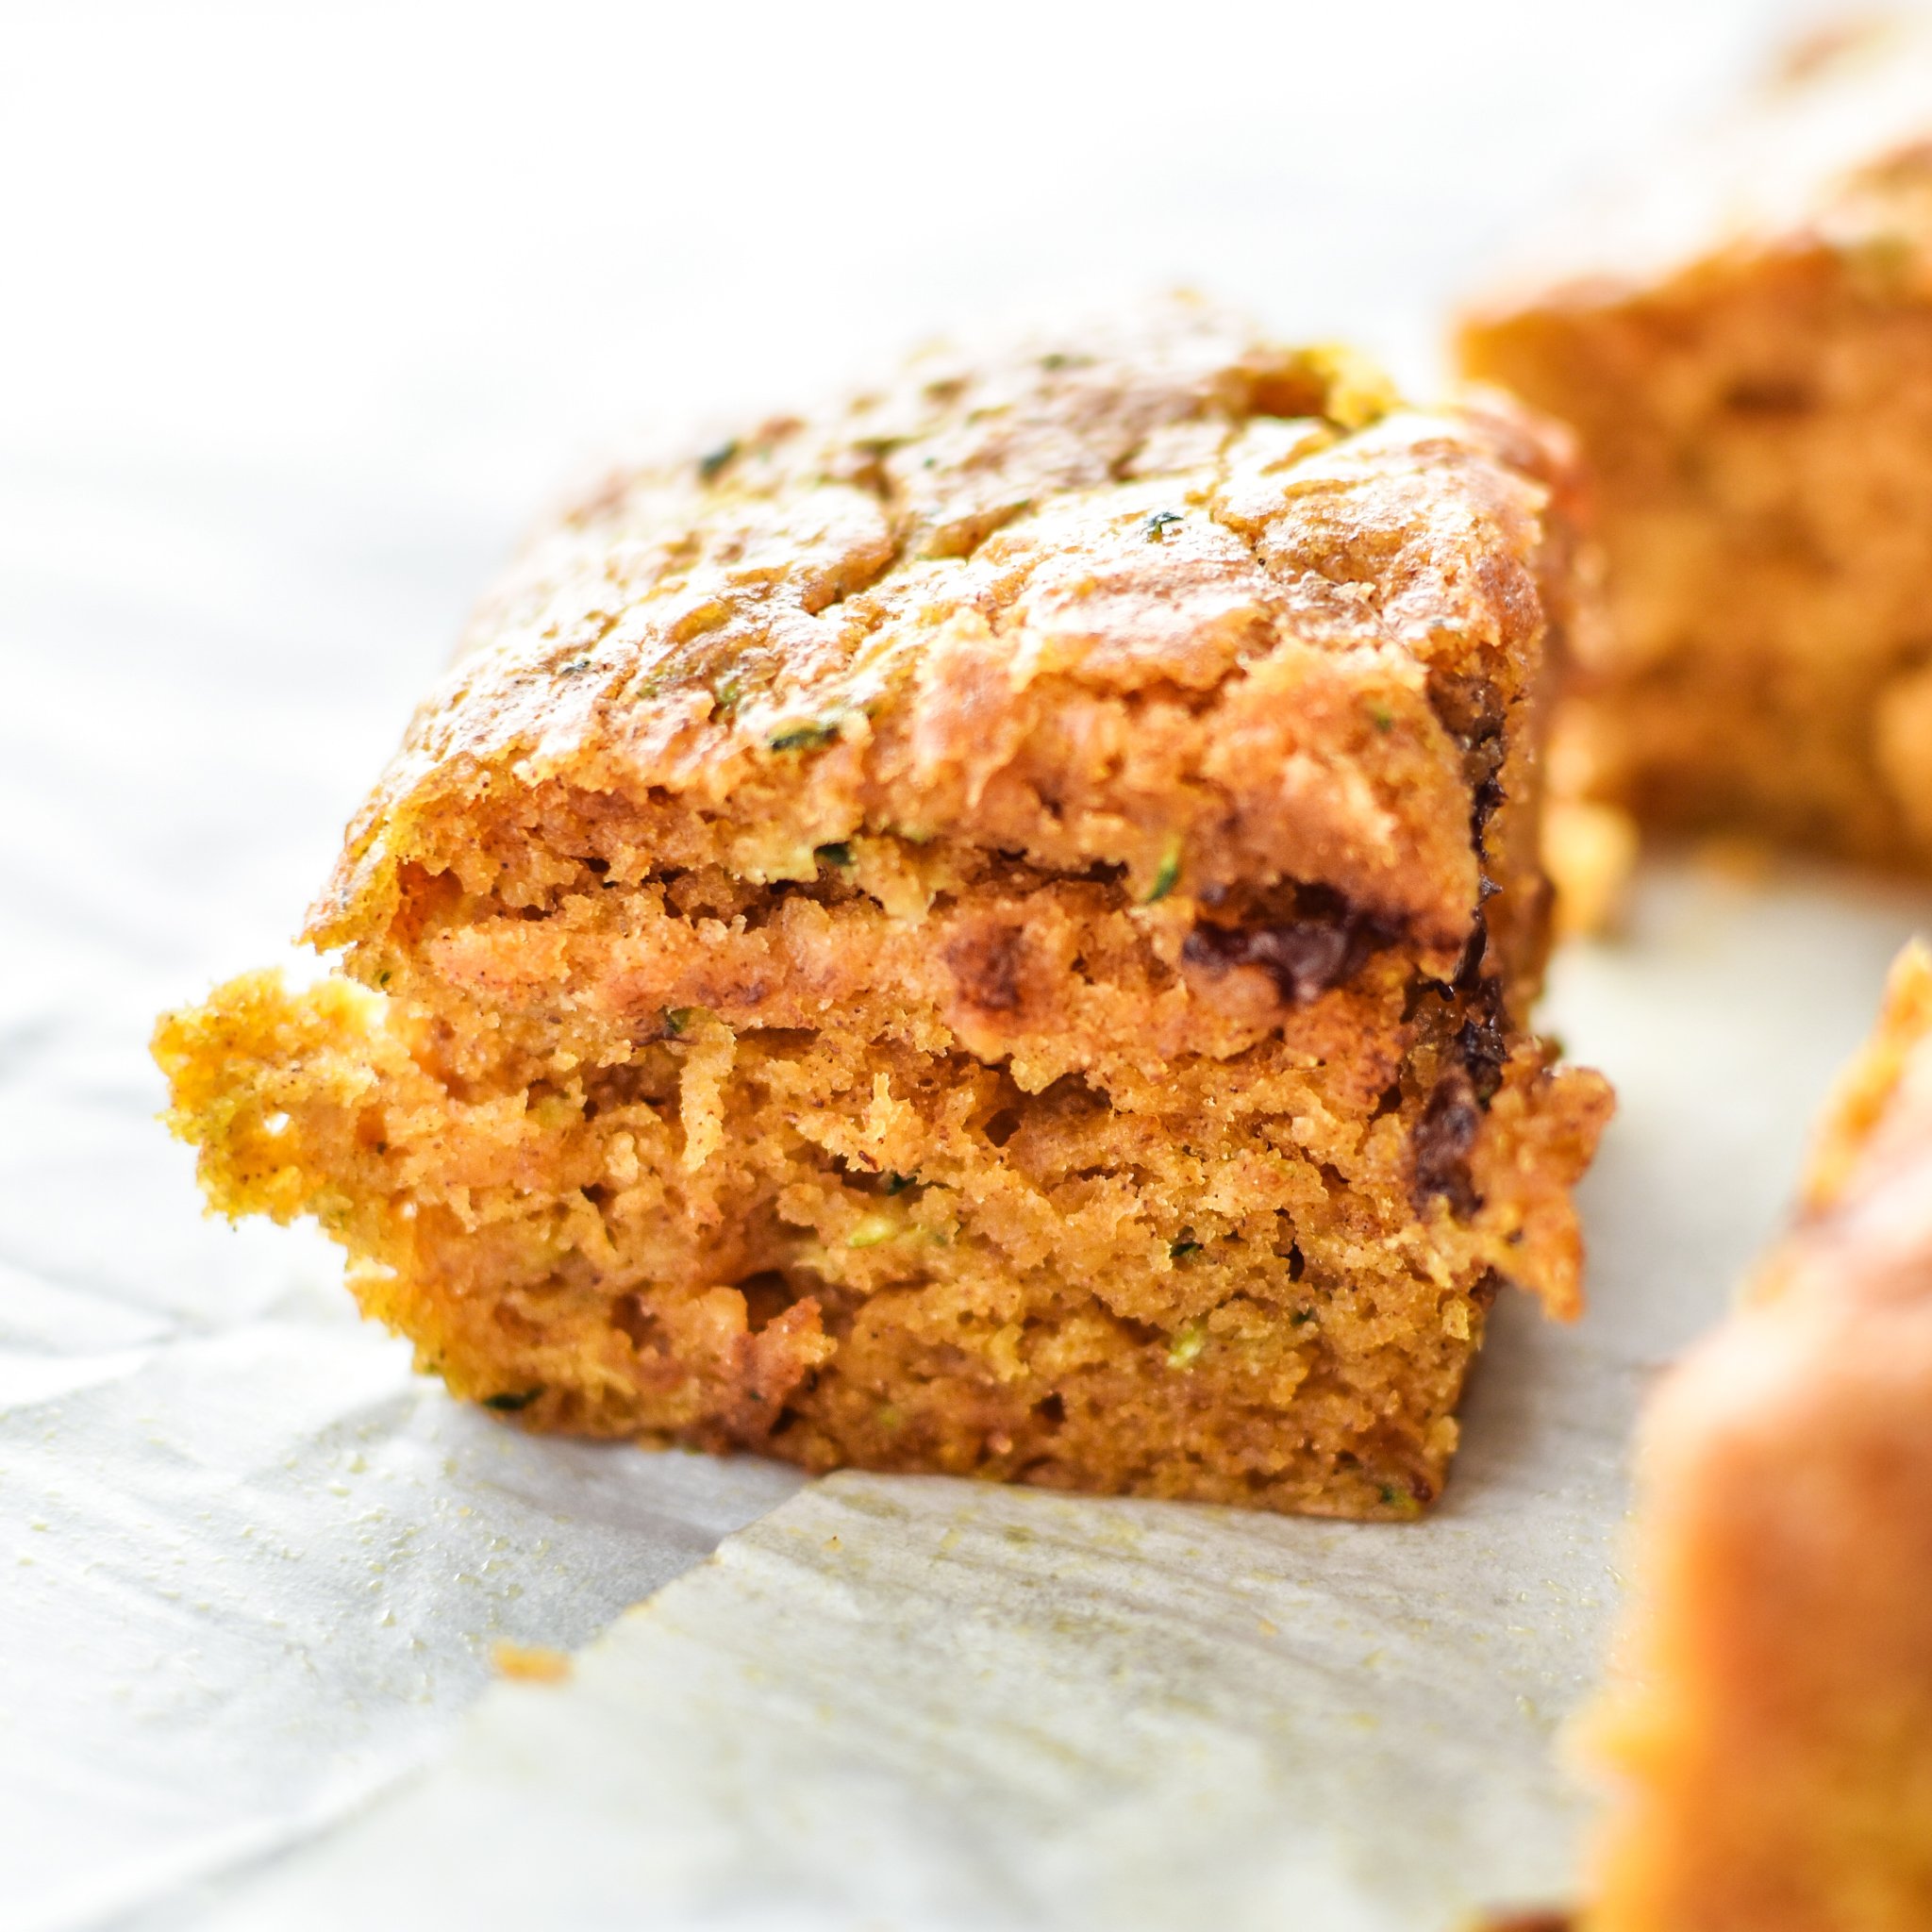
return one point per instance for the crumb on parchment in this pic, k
(529, 1663)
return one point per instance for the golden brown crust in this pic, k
(1772, 1715)
(1181, 588)
(1743, 343)
(990, 933)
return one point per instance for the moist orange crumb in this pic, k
(989, 930)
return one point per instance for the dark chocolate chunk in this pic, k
(1442, 1144)
(1469, 968)
(632, 1316)
(1482, 1043)
(1489, 794)
(985, 961)
(1305, 956)
(1484, 1053)
(511, 1400)
(1472, 710)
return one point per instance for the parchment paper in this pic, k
(251, 1569)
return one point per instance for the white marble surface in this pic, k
(306, 313)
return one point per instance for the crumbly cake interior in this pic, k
(1771, 1717)
(1117, 1258)
(1743, 344)
(1016, 964)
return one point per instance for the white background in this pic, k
(303, 312)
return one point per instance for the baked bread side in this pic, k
(1771, 1716)
(1743, 344)
(991, 931)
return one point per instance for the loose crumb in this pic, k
(529, 1663)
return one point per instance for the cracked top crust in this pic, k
(1164, 595)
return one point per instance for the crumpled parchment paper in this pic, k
(250, 1568)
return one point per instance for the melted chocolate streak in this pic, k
(1442, 1141)
(1445, 1136)
(1306, 957)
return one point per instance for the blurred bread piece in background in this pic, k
(1771, 1713)
(1743, 341)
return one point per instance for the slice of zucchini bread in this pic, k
(990, 931)
(1743, 344)
(1772, 1717)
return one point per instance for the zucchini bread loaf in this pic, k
(1743, 344)
(1773, 1718)
(988, 931)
